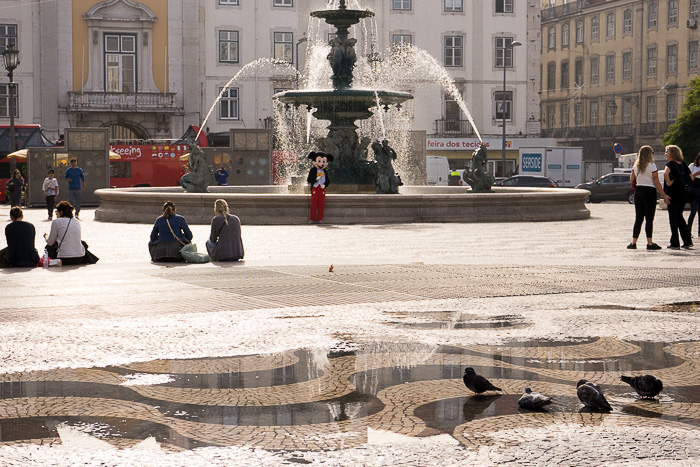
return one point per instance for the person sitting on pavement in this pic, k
(170, 233)
(66, 233)
(20, 251)
(225, 242)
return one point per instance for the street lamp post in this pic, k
(300, 41)
(503, 101)
(11, 58)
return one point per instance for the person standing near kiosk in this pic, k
(76, 184)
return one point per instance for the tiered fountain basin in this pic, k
(353, 103)
(275, 205)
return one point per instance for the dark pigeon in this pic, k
(591, 396)
(533, 400)
(646, 386)
(477, 383)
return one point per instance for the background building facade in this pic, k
(149, 69)
(616, 70)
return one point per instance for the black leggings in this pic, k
(644, 210)
(50, 203)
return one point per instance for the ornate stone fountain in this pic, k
(343, 105)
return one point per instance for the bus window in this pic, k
(120, 169)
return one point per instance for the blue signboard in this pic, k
(572, 167)
(554, 166)
(531, 163)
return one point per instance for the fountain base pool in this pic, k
(276, 205)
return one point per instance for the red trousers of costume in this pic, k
(318, 201)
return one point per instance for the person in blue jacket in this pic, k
(170, 233)
(221, 175)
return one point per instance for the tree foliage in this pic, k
(685, 131)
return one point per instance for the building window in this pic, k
(551, 38)
(228, 2)
(551, 75)
(672, 59)
(453, 51)
(551, 116)
(120, 62)
(671, 108)
(565, 35)
(564, 115)
(453, 5)
(508, 105)
(283, 3)
(627, 25)
(8, 36)
(283, 47)
(228, 46)
(651, 61)
(228, 105)
(693, 56)
(595, 28)
(610, 111)
(579, 32)
(401, 39)
(564, 75)
(610, 25)
(504, 6)
(595, 62)
(610, 68)
(673, 12)
(651, 109)
(453, 114)
(578, 114)
(5, 101)
(652, 15)
(594, 113)
(627, 65)
(578, 72)
(504, 52)
(402, 4)
(626, 111)
(694, 9)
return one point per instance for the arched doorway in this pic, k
(122, 132)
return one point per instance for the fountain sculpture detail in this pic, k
(344, 105)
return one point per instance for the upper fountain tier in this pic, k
(342, 18)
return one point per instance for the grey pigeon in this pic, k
(591, 396)
(647, 386)
(477, 383)
(533, 400)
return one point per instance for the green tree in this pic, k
(685, 131)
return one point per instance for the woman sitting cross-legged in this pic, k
(67, 234)
(170, 233)
(225, 242)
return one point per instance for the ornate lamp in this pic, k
(11, 59)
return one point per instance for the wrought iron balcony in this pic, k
(609, 131)
(450, 127)
(119, 101)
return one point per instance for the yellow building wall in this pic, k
(81, 40)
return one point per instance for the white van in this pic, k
(437, 170)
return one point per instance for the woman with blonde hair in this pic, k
(170, 233)
(225, 242)
(673, 186)
(644, 177)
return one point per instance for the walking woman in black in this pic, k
(673, 186)
(645, 178)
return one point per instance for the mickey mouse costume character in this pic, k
(319, 180)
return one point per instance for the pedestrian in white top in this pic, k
(50, 189)
(645, 179)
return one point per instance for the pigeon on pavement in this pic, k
(477, 383)
(647, 386)
(533, 400)
(591, 396)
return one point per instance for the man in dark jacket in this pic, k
(21, 252)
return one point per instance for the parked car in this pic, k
(614, 186)
(528, 180)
